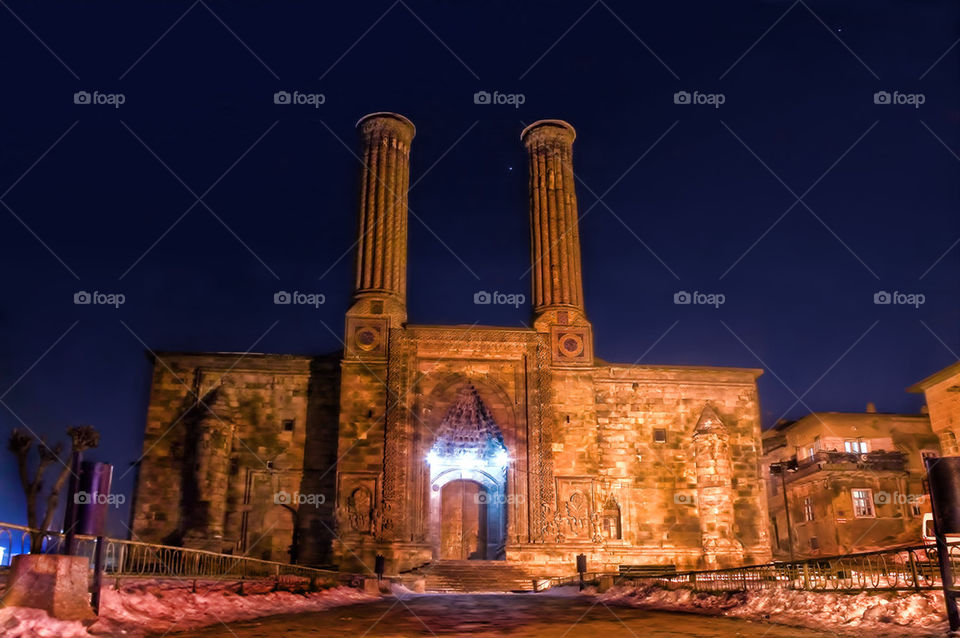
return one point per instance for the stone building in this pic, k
(942, 392)
(425, 443)
(854, 482)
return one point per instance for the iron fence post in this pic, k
(97, 575)
(913, 571)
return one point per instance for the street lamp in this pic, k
(782, 468)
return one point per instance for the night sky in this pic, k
(798, 198)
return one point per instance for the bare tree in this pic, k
(82, 438)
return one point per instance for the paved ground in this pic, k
(533, 615)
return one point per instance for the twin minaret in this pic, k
(381, 259)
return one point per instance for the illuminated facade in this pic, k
(426, 443)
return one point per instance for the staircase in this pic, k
(475, 575)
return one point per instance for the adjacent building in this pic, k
(852, 481)
(424, 443)
(942, 391)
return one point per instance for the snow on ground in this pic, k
(883, 615)
(145, 607)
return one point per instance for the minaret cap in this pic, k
(554, 123)
(387, 114)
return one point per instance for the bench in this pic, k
(646, 571)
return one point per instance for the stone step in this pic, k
(475, 576)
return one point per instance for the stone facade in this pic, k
(424, 443)
(854, 482)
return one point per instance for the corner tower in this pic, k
(380, 284)
(555, 243)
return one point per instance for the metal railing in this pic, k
(904, 569)
(548, 582)
(123, 558)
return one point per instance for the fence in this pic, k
(904, 569)
(123, 558)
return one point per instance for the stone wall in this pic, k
(606, 465)
(223, 466)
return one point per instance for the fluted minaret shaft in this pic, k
(381, 258)
(554, 235)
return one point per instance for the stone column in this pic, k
(715, 496)
(554, 236)
(380, 286)
(211, 433)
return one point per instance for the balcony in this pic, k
(844, 461)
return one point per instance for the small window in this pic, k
(863, 503)
(376, 307)
(814, 543)
(659, 435)
(915, 509)
(808, 509)
(810, 451)
(234, 466)
(288, 425)
(269, 465)
(817, 444)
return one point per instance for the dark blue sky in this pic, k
(694, 198)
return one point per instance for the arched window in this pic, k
(611, 519)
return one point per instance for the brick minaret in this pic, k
(555, 242)
(380, 287)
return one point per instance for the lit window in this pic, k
(808, 509)
(810, 452)
(816, 444)
(863, 503)
(855, 446)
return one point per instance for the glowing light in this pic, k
(468, 460)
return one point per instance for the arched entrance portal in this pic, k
(468, 472)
